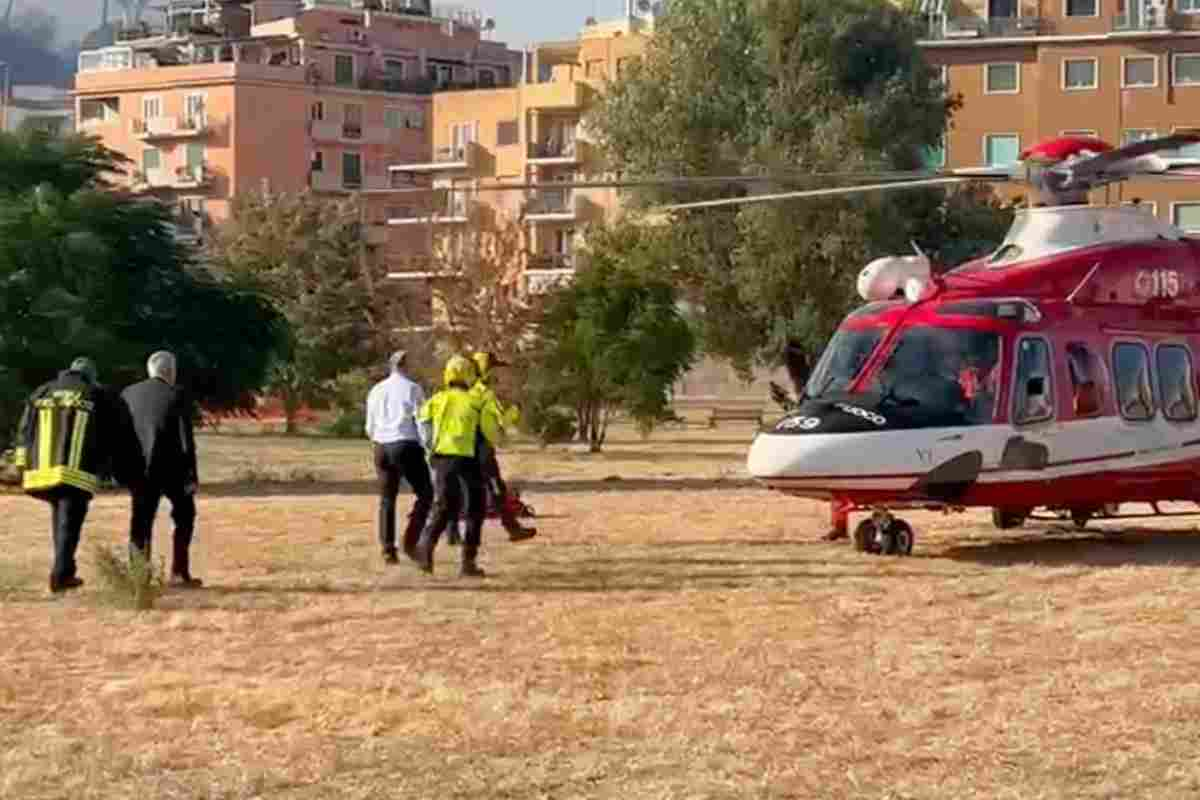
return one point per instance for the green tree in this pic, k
(798, 89)
(613, 340)
(85, 270)
(307, 255)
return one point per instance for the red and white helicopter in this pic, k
(1058, 372)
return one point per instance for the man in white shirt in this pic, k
(392, 407)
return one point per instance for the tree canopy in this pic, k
(613, 340)
(85, 270)
(796, 89)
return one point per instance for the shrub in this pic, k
(131, 582)
(549, 424)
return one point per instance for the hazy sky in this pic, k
(518, 22)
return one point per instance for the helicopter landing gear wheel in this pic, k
(883, 534)
(1007, 518)
(1080, 517)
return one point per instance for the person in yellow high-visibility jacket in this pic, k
(449, 424)
(493, 481)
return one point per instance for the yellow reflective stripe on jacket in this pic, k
(39, 479)
(45, 440)
(75, 459)
(21, 458)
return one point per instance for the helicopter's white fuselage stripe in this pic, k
(894, 460)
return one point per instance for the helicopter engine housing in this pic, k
(886, 278)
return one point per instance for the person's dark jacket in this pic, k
(162, 420)
(74, 433)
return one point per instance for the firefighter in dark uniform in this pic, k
(448, 424)
(73, 434)
(162, 420)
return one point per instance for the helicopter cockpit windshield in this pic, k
(950, 374)
(843, 359)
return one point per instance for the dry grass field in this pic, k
(673, 633)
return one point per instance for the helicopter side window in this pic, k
(1034, 394)
(1176, 386)
(842, 360)
(1135, 393)
(1086, 371)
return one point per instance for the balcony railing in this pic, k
(568, 150)
(551, 261)
(185, 177)
(1149, 19)
(551, 203)
(395, 85)
(995, 28)
(168, 127)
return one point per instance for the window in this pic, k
(594, 69)
(99, 111)
(352, 120)
(461, 135)
(1081, 132)
(1001, 78)
(415, 119)
(1186, 216)
(1189, 151)
(934, 156)
(1079, 73)
(343, 70)
(190, 215)
(1087, 384)
(1131, 135)
(393, 69)
(508, 132)
(1033, 394)
(563, 239)
(151, 107)
(487, 77)
(944, 78)
(1131, 368)
(1187, 6)
(1176, 386)
(151, 159)
(195, 156)
(1185, 69)
(842, 360)
(1139, 71)
(317, 164)
(351, 170)
(317, 112)
(1001, 150)
(195, 109)
(1082, 8)
(393, 118)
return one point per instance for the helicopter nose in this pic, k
(816, 455)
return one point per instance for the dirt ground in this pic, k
(673, 632)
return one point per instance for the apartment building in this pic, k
(531, 132)
(226, 97)
(1028, 70)
(45, 108)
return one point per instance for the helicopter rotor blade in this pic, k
(832, 192)
(1136, 158)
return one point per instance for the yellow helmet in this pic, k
(484, 362)
(459, 370)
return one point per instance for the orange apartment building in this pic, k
(233, 96)
(531, 132)
(1029, 70)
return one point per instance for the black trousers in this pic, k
(455, 479)
(68, 510)
(146, 497)
(394, 462)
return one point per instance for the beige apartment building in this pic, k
(531, 132)
(1030, 70)
(229, 97)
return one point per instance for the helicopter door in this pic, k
(1033, 393)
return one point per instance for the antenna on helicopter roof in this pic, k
(917, 248)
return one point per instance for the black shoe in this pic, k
(423, 555)
(519, 533)
(411, 552)
(185, 582)
(58, 585)
(472, 570)
(390, 557)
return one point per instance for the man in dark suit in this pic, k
(162, 419)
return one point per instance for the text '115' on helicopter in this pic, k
(1056, 373)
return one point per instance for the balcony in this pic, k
(552, 205)
(551, 262)
(154, 128)
(425, 86)
(452, 213)
(541, 281)
(556, 152)
(1148, 20)
(997, 28)
(353, 133)
(446, 159)
(194, 177)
